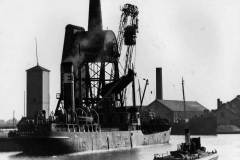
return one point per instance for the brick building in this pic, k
(229, 113)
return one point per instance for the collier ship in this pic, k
(91, 113)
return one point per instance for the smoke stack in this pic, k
(187, 136)
(159, 90)
(95, 15)
(219, 103)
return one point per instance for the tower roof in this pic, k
(38, 68)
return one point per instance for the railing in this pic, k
(76, 128)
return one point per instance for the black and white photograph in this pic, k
(119, 80)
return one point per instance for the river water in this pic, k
(228, 147)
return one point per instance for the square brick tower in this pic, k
(38, 97)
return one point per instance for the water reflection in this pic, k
(228, 147)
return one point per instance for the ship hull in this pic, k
(203, 125)
(196, 129)
(211, 156)
(68, 142)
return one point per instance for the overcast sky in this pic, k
(196, 39)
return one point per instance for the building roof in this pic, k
(37, 67)
(176, 105)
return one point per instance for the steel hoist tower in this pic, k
(127, 34)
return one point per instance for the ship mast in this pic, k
(186, 127)
(184, 103)
(36, 51)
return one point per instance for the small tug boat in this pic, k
(190, 150)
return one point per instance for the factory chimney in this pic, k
(95, 15)
(219, 103)
(159, 90)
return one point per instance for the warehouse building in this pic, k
(173, 110)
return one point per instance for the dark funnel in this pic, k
(159, 88)
(95, 15)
